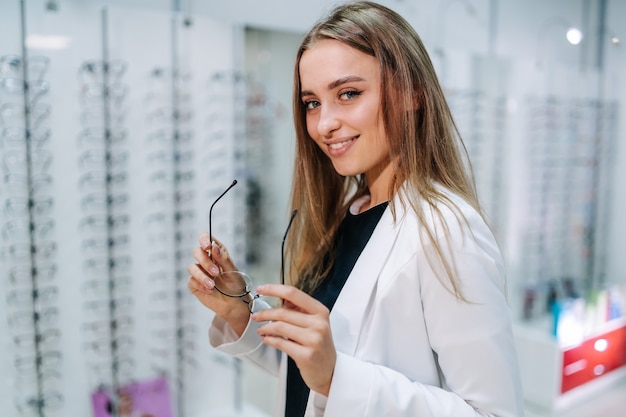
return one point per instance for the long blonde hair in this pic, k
(423, 139)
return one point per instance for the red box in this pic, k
(593, 358)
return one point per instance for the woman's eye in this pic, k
(311, 104)
(350, 94)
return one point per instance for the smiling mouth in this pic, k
(339, 145)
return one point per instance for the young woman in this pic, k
(395, 304)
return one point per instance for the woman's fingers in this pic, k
(205, 241)
(217, 253)
(220, 254)
(294, 298)
(199, 276)
(301, 330)
(209, 268)
(306, 332)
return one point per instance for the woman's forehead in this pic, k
(329, 60)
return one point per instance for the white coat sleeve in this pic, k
(248, 347)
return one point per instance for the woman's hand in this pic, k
(301, 329)
(202, 285)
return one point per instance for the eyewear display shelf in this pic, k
(27, 245)
(557, 377)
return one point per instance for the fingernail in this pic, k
(214, 270)
(204, 244)
(253, 316)
(216, 249)
(209, 283)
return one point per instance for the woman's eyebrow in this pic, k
(344, 80)
(335, 84)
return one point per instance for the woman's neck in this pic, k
(378, 184)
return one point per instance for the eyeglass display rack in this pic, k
(28, 249)
(261, 115)
(101, 117)
(482, 122)
(224, 155)
(568, 142)
(103, 161)
(171, 219)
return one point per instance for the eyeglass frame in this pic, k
(248, 292)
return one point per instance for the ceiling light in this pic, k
(47, 42)
(574, 36)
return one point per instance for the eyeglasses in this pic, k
(93, 70)
(237, 284)
(22, 274)
(12, 65)
(34, 405)
(96, 136)
(14, 136)
(18, 206)
(15, 161)
(12, 115)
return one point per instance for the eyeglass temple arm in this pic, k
(282, 248)
(211, 212)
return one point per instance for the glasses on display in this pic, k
(165, 135)
(12, 115)
(164, 177)
(35, 405)
(119, 323)
(100, 244)
(47, 338)
(169, 157)
(22, 274)
(12, 66)
(98, 180)
(16, 87)
(32, 184)
(123, 344)
(95, 93)
(16, 137)
(238, 284)
(94, 70)
(96, 158)
(24, 297)
(118, 286)
(98, 202)
(45, 316)
(96, 135)
(22, 228)
(15, 161)
(27, 245)
(19, 206)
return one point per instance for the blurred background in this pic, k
(121, 121)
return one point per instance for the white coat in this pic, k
(406, 346)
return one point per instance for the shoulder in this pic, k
(445, 206)
(447, 218)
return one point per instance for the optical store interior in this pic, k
(122, 120)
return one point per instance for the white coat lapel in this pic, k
(346, 318)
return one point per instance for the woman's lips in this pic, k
(339, 148)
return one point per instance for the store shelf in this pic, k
(556, 378)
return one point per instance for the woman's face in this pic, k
(341, 93)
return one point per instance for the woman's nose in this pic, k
(328, 121)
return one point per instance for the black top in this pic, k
(350, 240)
